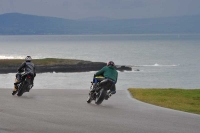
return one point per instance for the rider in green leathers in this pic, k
(109, 72)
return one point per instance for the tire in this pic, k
(100, 97)
(21, 89)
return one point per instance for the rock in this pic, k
(137, 70)
(123, 68)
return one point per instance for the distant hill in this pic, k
(21, 24)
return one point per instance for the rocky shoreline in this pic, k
(83, 66)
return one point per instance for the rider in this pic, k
(27, 67)
(109, 72)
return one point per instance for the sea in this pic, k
(163, 60)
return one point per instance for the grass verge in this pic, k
(187, 100)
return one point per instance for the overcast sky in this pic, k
(76, 9)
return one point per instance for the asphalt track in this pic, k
(66, 111)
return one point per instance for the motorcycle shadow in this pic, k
(26, 96)
(102, 105)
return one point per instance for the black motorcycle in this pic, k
(25, 85)
(100, 90)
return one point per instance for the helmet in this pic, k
(110, 63)
(28, 58)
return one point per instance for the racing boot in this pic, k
(109, 94)
(14, 92)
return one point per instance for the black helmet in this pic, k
(110, 63)
(28, 58)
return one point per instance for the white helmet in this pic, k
(28, 58)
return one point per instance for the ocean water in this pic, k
(164, 61)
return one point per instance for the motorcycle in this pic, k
(25, 85)
(100, 90)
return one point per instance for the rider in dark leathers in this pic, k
(27, 67)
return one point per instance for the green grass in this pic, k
(187, 100)
(46, 61)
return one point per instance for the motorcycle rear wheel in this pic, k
(21, 90)
(100, 97)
